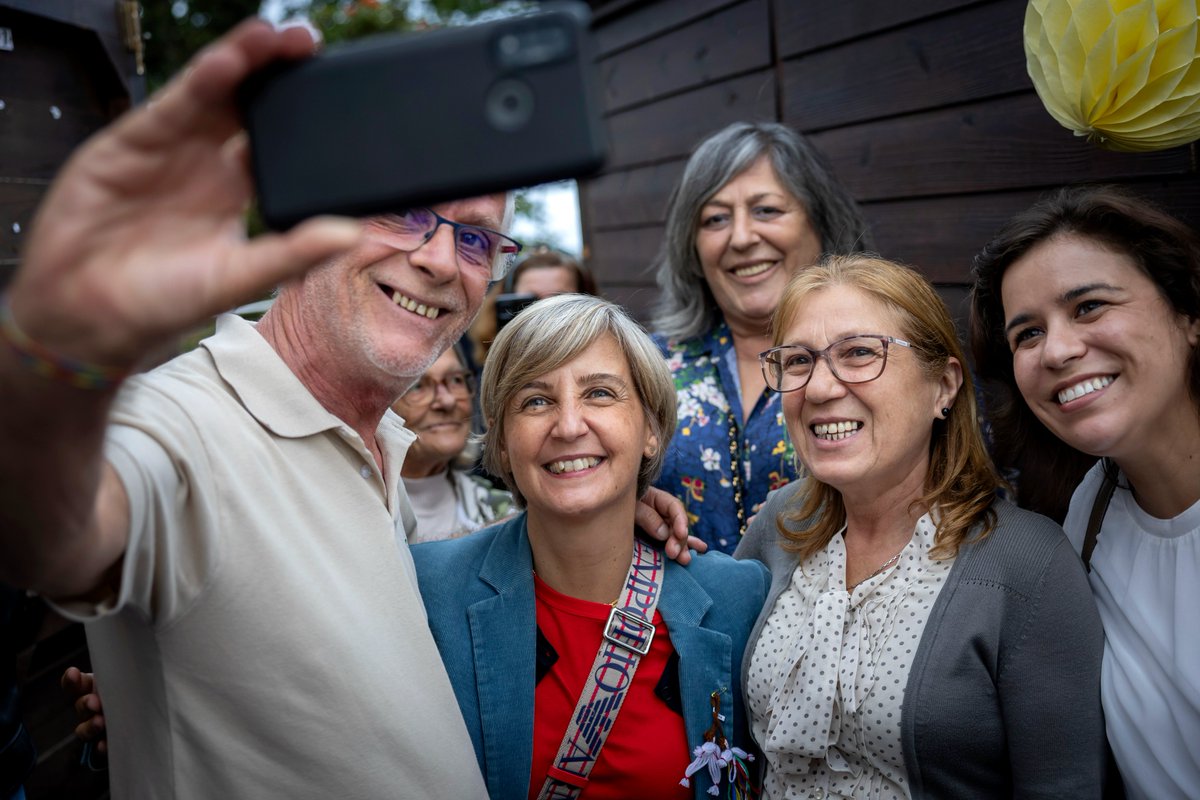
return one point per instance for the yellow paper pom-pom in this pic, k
(1124, 73)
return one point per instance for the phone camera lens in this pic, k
(509, 45)
(509, 105)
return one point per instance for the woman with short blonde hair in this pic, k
(538, 618)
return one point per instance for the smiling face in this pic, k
(1098, 354)
(752, 235)
(402, 308)
(442, 424)
(867, 440)
(575, 437)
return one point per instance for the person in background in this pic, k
(543, 273)
(580, 405)
(922, 638)
(756, 202)
(1086, 324)
(546, 272)
(447, 500)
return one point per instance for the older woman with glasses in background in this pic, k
(446, 498)
(921, 638)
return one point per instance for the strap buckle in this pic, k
(618, 631)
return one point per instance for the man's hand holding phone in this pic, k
(141, 235)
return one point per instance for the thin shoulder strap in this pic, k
(1099, 508)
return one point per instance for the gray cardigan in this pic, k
(1004, 695)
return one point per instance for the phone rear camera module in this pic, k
(509, 105)
(530, 47)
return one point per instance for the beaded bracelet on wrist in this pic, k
(42, 361)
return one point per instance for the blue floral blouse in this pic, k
(720, 469)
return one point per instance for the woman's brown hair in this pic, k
(1047, 469)
(961, 484)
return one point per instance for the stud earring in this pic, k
(945, 412)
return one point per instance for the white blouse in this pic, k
(435, 505)
(827, 674)
(1146, 580)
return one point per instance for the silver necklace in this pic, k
(879, 571)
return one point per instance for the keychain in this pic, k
(718, 757)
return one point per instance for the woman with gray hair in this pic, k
(756, 202)
(580, 408)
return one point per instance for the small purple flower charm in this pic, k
(707, 755)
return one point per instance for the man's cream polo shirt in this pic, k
(267, 640)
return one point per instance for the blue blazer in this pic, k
(478, 592)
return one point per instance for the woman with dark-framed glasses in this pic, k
(447, 499)
(921, 638)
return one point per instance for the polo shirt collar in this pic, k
(267, 388)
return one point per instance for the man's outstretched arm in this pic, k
(139, 239)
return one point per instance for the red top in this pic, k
(647, 749)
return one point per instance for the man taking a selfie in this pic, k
(230, 525)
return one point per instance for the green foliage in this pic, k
(174, 31)
(529, 207)
(342, 20)
(455, 12)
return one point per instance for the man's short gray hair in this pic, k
(686, 306)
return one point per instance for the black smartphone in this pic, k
(398, 120)
(509, 305)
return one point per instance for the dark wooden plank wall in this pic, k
(67, 74)
(924, 108)
(61, 81)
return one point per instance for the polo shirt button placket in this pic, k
(365, 471)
